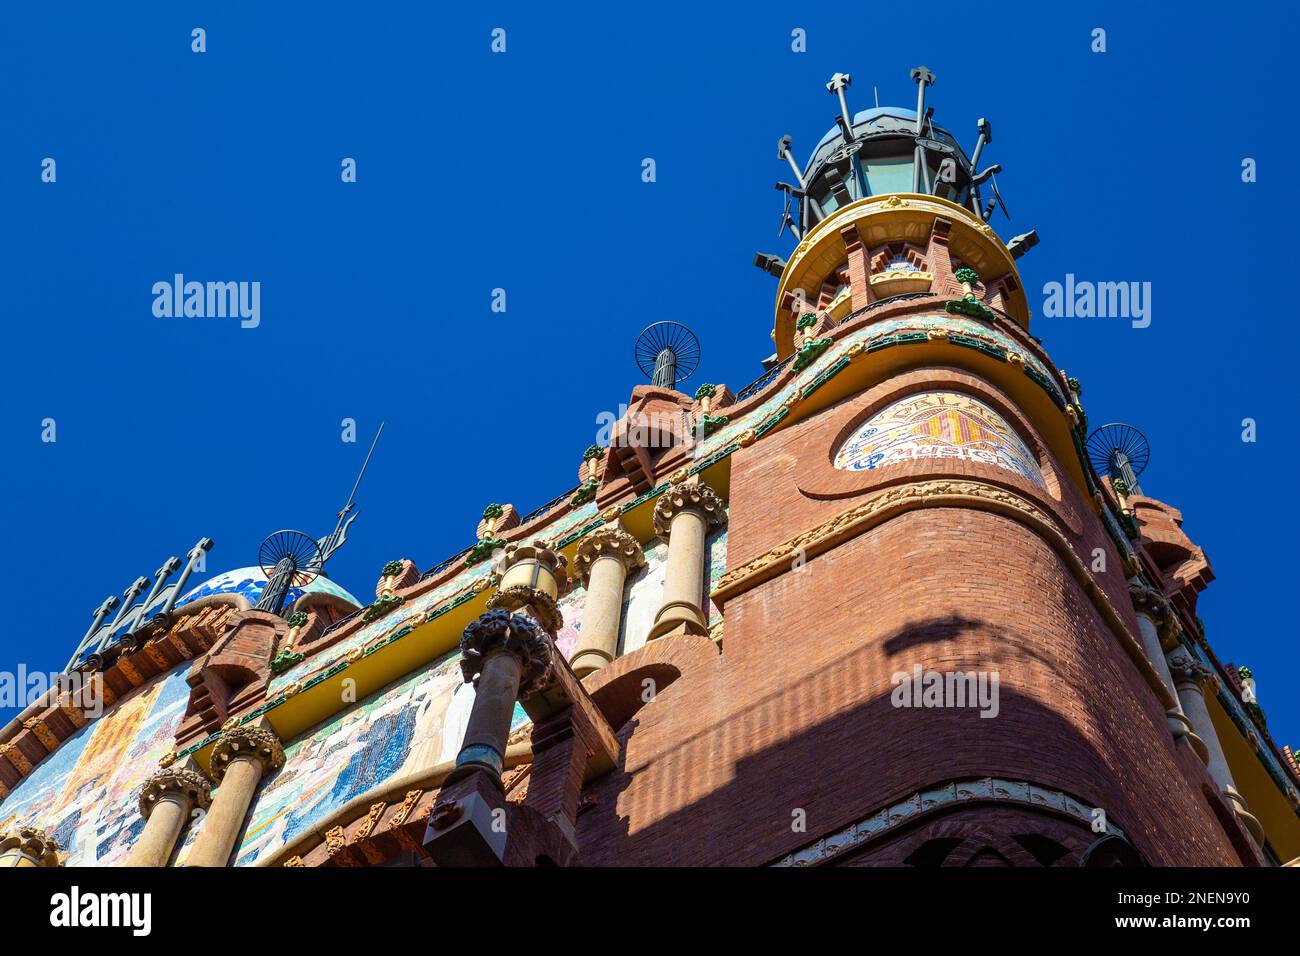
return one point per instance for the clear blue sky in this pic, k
(522, 171)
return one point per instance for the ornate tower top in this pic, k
(890, 179)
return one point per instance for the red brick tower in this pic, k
(949, 641)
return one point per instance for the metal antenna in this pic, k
(923, 78)
(783, 152)
(1119, 451)
(335, 539)
(985, 138)
(292, 559)
(667, 353)
(288, 559)
(838, 84)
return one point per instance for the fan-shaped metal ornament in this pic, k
(667, 353)
(1115, 445)
(300, 551)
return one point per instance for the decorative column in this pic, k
(28, 847)
(682, 517)
(1159, 633)
(240, 759)
(505, 655)
(168, 799)
(1191, 678)
(604, 559)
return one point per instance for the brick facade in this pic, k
(796, 716)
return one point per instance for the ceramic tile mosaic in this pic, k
(414, 723)
(85, 793)
(937, 425)
(952, 324)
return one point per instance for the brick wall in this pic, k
(796, 717)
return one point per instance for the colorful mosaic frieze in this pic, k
(937, 425)
(717, 567)
(86, 793)
(644, 592)
(571, 607)
(901, 331)
(413, 724)
(643, 597)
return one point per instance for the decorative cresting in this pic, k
(604, 559)
(166, 802)
(942, 797)
(504, 655)
(1191, 677)
(682, 517)
(937, 425)
(240, 759)
(28, 846)
(1159, 632)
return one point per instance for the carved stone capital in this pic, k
(256, 742)
(1150, 603)
(175, 782)
(699, 498)
(1188, 672)
(609, 541)
(540, 604)
(33, 843)
(540, 551)
(499, 630)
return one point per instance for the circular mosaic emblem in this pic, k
(937, 425)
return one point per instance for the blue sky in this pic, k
(522, 171)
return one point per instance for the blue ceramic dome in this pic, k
(250, 582)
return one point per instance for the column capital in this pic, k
(175, 781)
(33, 843)
(610, 541)
(698, 497)
(1188, 672)
(256, 742)
(498, 630)
(532, 577)
(540, 552)
(1151, 603)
